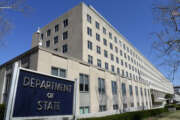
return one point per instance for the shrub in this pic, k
(2, 110)
(170, 106)
(137, 115)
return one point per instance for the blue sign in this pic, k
(42, 95)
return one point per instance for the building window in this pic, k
(129, 66)
(97, 37)
(7, 86)
(55, 39)
(58, 72)
(90, 59)
(128, 57)
(115, 39)
(130, 90)
(105, 42)
(123, 89)
(84, 83)
(116, 49)
(25, 62)
(130, 75)
(56, 28)
(124, 46)
(48, 32)
(48, 43)
(122, 63)
(98, 49)
(125, 55)
(97, 25)
(65, 48)
(105, 53)
(65, 22)
(112, 57)
(117, 60)
(102, 108)
(124, 105)
(126, 64)
(65, 35)
(99, 63)
(121, 53)
(112, 68)
(106, 66)
(114, 87)
(90, 45)
(136, 90)
(104, 30)
(111, 46)
(89, 18)
(118, 70)
(89, 31)
(101, 86)
(42, 36)
(126, 73)
(110, 35)
(132, 104)
(123, 73)
(84, 110)
(115, 107)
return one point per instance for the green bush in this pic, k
(2, 109)
(138, 115)
(170, 106)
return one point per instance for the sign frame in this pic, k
(13, 91)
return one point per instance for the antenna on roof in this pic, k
(38, 35)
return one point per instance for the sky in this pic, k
(133, 19)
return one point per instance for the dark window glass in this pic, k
(98, 62)
(48, 32)
(114, 87)
(97, 25)
(48, 43)
(84, 83)
(56, 28)
(89, 18)
(101, 85)
(65, 22)
(65, 48)
(97, 37)
(123, 89)
(55, 39)
(90, 45)
(90, 59)
(65, 35)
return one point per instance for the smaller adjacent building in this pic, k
(177, 90)
(177, 94)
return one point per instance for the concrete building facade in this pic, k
(81, 44)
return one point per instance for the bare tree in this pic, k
(10, 5)
(167, 45)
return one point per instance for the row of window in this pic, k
(89, 31)
(56, 29)
(98, 50)
(56, 39)
(102, 108)
(84, 83)
(106, 66)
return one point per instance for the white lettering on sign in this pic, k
(48, 106)
(49, 85)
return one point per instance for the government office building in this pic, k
(81, 44)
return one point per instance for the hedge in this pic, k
(137, 115)
(2, 109)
